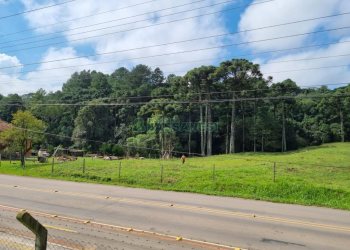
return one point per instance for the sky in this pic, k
(42, 48)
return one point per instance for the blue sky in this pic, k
(69, 43)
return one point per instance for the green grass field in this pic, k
(313, 176)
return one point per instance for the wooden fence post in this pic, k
(274, 172)
(214, 172)
(119, 170)
(161, 173)
(52, 165)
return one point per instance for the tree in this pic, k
(169, 141)
(202, 84)
(10, 105)
(234, 99)
(142, 144)
(157, 77)
(119, 81)
(236, 75)
(182, 90)
(77, 88)
(288, 89)
(93, 124)
(99, 85)
(161, 116)
(25, 130)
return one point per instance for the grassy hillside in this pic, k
(313, 176)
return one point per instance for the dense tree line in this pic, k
(210, 110)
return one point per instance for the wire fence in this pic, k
(15, 236)
(189, 176)
(12, 240)
(12, 235)
(228, 176)
(65, 233)
(66, 242)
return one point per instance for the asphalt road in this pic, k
(95, 211)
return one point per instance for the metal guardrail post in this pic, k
(33, 225)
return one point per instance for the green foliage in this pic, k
(24, 127)
(118, 150)
(10, 105)
(257, 115)
(142, 144)
(93, 126)
(25, 130)
(110, 149)
(106, 148)
(313, 176)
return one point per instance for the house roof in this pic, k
(4, 125)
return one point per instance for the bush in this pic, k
(118, 150)
(106, 148)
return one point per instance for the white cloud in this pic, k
(283, 11)
(329, 74)
(52, 80)
(43, 18)
(275, 12)
(159, 34)
(6, 64)
(12, 85)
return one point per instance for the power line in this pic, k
(33, 10)
(230, 100)
(256, 90)
(79, 18)
(132, 29)
(308, 86)
(266, 73)
(306, 69)
(71, 138)
(276, 72)
(235, 91)
(305, 59)
(269, 26)
(95, 24)
(282, 71)
(188, 40)
(188, 51)
(97, 141)
(184, 62)
(231, 33)
(286, 71)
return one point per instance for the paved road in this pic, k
(227, 221)
(68, 233)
